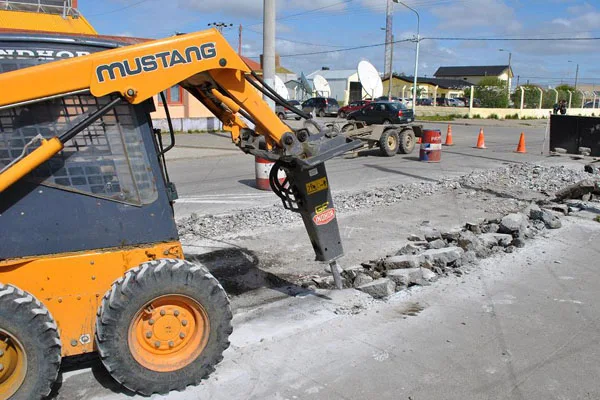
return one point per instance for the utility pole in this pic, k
(391, 76)
(269, 46)
(220, 25)
(414, 104)
(388, 44)
(508, 80)
(576, 73)
(240, 40)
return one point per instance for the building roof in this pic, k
(333, 74)
(441, 82)
(479, 70)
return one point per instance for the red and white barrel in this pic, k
(431, 146)
(263, 170)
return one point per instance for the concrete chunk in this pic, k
(410, 249)
(405, 277)
(437, 244)
(379, 288)
(403, 261)
(443, 256)
(513, 223)
(428, 275)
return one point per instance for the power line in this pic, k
(341, 50)
(307, 11)
(511, 39)
(119, 9)
(296, 41)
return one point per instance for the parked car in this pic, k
(354, 106)
(424, 102)
(285, 113)
(407, 102)
(442, 102)
(458, 102)
(386, 98)
(590, 104)
(466, 100)
(322, 106)
(383, 112)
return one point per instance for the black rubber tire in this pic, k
(348, 127)
(406, 141)
(386, 148)
(30, 322)
(298, 118)
(321, 113)
(281, 116)
(386, 122)
(341, 114)
(137, 288)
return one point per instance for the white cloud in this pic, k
(492, 14)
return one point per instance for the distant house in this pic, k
(344, 83)
(402, 86)
(474, 74)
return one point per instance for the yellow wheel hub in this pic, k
(391, 142)
(169, 333)
(13, 364)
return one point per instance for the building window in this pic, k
(174, 95)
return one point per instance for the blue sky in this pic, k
(341, 24)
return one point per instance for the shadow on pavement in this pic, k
(395, 171)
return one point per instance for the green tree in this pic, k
(491, 92)
(563, 94)
(532, 97)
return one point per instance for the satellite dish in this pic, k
(370, 79)
(280, 88)
(305, 84)
(321, 86)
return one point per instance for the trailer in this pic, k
(390, 139)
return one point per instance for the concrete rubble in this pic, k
(461, 249)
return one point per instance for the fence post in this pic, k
(582, 97)
(471, 100)
(403, 90)
(594, 101)
(435, 95)
(570, 97)
(555, 91)
(522, 100)
(541, 97)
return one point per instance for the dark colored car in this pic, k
(383, 112)
(476, 102)
(285, 113)
(424, 102)
(385, 98)
(354, 106)
(322, 106)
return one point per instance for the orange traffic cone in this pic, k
(449, 141)
(521, 146)
(481, 140)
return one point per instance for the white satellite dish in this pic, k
(321, 86)
(370, 79)
(280, 88)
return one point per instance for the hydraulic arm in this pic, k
(205, 65)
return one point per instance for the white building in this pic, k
(344, 84)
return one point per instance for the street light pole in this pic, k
(576, 73)
(414, 103)
(508, 80)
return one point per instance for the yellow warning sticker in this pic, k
(316, 186)
(322, 207)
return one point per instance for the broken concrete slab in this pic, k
(379, 289)
(451, 236)
(402, 261)
(443, 257)
(409, 249)
(468, 241)
(492, 239)
(362, 279)
(433, 235)
(428, 275)
(437, 244)
(513, 223)
(578, 190)
(414, 238)
(406, 277)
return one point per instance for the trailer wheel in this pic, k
(163, 326)
(407, 141)
(388, 143)
(30, 349)
(348, 127)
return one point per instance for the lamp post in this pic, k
(576, 73)
(414, 103)
(508, 80)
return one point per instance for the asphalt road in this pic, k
(521, 326)
(224, 180)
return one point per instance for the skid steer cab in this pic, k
(90, 258)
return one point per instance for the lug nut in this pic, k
(171, 344)
(184, 322)
(157, 344)
(182, 335)
(151, 322)
(162, 313)
(148, 334)
(176, 313)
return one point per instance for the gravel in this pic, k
(510, 179)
